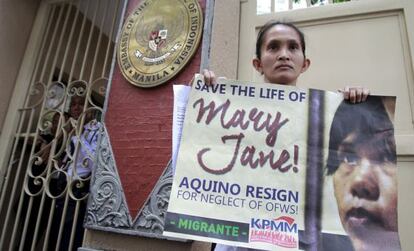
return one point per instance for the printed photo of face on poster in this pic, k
(360, 194)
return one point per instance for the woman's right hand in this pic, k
(209, 77)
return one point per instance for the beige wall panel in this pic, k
(224, 39)
(371, 52)
(247, 42)
(16, 20)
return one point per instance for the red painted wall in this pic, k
(139, 123)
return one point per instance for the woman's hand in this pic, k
(355, 94)
(209, 77)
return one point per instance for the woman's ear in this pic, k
(257, 65)
(306, 64)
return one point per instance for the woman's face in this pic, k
(76, 106)
(282, 59)
(365, 186)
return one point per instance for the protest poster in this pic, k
(251, 169)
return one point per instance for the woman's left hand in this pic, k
(355, 94)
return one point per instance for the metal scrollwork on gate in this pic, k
(107, 207)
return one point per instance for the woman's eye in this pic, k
(294, 47)
(388, 159)
(350, 159)
(273, 47)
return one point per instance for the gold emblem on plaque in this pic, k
(158, 39)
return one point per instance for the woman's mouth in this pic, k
(360, 217)
(284, 67)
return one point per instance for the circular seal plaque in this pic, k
(158, 39)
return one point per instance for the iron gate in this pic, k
(46, 182)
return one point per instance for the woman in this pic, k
(281, 59)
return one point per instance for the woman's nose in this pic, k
(365, 181)
(283, 54)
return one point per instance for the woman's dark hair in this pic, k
(270, 24)
(370, 123)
